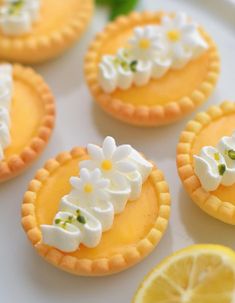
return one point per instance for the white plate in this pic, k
(24, 276)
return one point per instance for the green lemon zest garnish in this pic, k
(231, 154)
(15, 7)
(221, 169)
(81, 219)
(217, 156)
(133, 65)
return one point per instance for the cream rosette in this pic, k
(71, 227)
(18, 16)
(216, 165)
(152, 51)
(112, 176)
(6, 89)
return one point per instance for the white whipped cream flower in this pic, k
(111, 160)
(90, 192)
(181, 39)
(145, 43)
(90, 187)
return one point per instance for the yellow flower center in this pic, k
(174, 35)
(88, 188)
(106, 165)
(144, 43)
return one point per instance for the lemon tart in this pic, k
(33, 31)
(96, 211)
(205, 160)
(27, 114)
(150, 69)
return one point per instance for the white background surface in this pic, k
(24, 276)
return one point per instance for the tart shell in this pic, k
(17, 159)
(42, 44)
(142, 115)
(92, 266)
(212, 203)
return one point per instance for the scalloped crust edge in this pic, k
(58, 41)
(102, 266)
(17, 163)
(144, 115)
(212, 205)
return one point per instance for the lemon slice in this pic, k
(198, 274)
